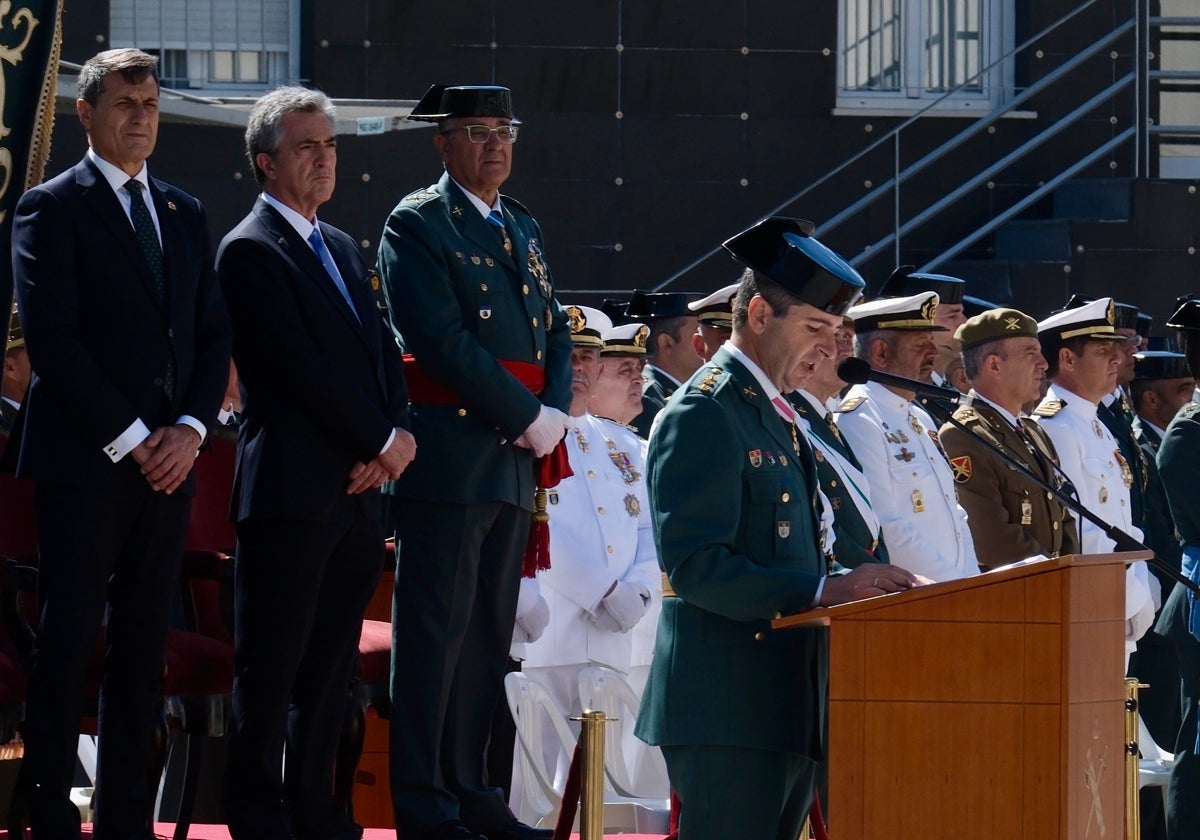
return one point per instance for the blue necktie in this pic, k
(496, 220)
(147, 237)
(322, 252)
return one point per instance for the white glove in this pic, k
(1141, 621)
(544, 433)
(627, 603)
(532, 623)
(603, 619)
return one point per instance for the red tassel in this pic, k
(673, 819)
(550, 469)
(817, 819)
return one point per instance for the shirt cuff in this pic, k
(223, 417)
(127, 441)
(189, 420)
(391, 438)
(816, 601)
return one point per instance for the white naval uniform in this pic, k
(599, 533)
(1091, 458)
(912, 486)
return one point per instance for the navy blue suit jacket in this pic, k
(323, 389)
(98, 337)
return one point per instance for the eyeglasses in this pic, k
(482, 133)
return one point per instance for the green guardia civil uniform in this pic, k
(656, 392)
(739, 709)
(466, 309)
(857, 541)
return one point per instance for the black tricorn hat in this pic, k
(973, 306)
(441, 102)
(1186, 317)
(1125, 315)
(614, 308)
(1144, 323)
(785, 251)
(906, 281)
(647, 307)
(1150, 364)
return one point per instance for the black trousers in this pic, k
(458, 571)
(116, 549)
(300, 592)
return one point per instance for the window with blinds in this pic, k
(213, 44)
(903, 53)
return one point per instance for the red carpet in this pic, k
(219, 832)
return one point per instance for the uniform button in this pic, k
(1122, 503)
(1110, 465)
(758, 637)
(158, 382)
(462, 412)
(1054, 525)
(915, 475)
(786, 497)
(778, 616)
(535, 322)
(600, 510)
(170, 333)
(591, 473)
(833, 482)
(539, 355)
(610, 549)
(1049, 495)
(525, 289)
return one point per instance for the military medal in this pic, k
(582, 441)
(622, 462)
(1097, 428)
(819, 455)
(475, 259)
(770, 457)
(1103, 495)
(490, 262)
(1126, 473)
(632, 506)
(918, 502)
(915, 423)
(904, 455)
(1026, 510)
(783, 459)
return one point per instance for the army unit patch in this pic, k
(962, 468)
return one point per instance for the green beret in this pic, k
(994, 324)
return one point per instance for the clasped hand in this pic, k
(387, 465)
(167, 455)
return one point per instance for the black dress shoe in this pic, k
(451, 830)
(520, 831)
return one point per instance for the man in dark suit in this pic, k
(129, 343)
(738, 708)
(324, 423)
(468, 289)
(17, 374)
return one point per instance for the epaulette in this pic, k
(1049, 408)
(419, 197)
(1189, 409)
(966, 414)
(709, 380)
(850, 404)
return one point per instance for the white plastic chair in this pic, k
(1154, 766)
(530, 705)
(637, 777)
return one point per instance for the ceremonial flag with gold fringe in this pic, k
(30, 41)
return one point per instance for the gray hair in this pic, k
(263, 125)
(133, 65)
(863, 341)
(974, 357)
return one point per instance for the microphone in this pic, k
(857, 372)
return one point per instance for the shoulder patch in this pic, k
(962, 468)
(966, 414)
(1049, 408)
(850, 404)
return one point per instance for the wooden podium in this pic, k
(991, 707)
